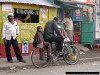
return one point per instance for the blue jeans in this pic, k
(14, 43)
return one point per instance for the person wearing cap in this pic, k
(9, 34)
(52, 34)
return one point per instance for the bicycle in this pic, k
(66, 54)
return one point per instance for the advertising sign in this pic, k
(82, 1)
(26, 11)
(67, 0)
(86, 1)
(25, 47)
(6, 8)
(77, 15)
(43, 15)
(97, 32)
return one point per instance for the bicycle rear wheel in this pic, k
(36, 60)
(73, 58)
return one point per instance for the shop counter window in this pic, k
(26, 15)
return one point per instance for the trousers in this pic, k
(59, 42)
(14, 43)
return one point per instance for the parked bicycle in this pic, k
(70, 55)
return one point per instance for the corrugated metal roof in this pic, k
(37, 2)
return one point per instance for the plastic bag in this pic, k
(66, 39)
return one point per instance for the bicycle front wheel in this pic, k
(37, 60)
(73, 58)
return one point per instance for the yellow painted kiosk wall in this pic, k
(27, 30)
(0, 22)
(52, 13)
(0, 27)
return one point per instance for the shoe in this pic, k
(11, 61)
(22, 61)
(48, 58)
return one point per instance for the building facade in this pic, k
(82, 13)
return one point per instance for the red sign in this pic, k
(67, 0)
(91, 1)
(86, 1)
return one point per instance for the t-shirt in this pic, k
(69, 23)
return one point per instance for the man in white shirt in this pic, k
(9, 34)
(67, 21)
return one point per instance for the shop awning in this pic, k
(37, 2)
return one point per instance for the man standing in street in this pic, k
(67, 21)
(52, 34)
(10, 33)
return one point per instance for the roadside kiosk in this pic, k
(31, 13)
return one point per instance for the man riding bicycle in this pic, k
(52, 34)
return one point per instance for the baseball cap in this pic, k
(10, 14)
